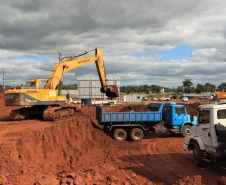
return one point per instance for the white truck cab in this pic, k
(208, 137)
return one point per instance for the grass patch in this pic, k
(135, 103)
(206, 102)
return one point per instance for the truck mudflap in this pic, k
(221, 132)
(185, 147)
(221, 147)
(221, 138)
(220, 154)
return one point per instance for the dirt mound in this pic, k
(222, 181)
(197, 180)
(61, 152)
(76, 151)
(125, 108)
(192, 108)
(43, 151)
(5, 110)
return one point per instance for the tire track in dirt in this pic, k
(76, 150)
(163, 160)
(12, 127)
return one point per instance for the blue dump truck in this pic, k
(162, 117)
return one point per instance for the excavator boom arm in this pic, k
(70, 63)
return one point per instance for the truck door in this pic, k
(220, 121)
(203, 127)
(179, 115)
(167, 115)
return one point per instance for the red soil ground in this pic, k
(76, 151)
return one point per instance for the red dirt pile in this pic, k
(197, 180)
(76, 151)
(192, 108)
(61, 152)
(126, 108)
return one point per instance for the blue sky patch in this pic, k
(182, 51)
(38, 58)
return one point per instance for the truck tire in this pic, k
(186, 131)
(119, 134)
(198, 155)
(136, 134)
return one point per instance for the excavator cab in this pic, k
(36, 83)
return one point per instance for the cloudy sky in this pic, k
(143, 42)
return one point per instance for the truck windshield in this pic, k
(179, 110)
(154, 106)
(204, 116)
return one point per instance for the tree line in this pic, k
(186, 87)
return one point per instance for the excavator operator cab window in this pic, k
(42, 84)
(33, 84)
(30, 84)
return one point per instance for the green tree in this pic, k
(209, 87)
(123, 89)
(222, 87)
(155, 88)
(199, 88)
(187, 83)
(70, 87)
(143, 88)
(180, 89)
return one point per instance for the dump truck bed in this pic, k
(127, 117)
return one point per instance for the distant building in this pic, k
(89, 87)
(133, 98)
(207, 95)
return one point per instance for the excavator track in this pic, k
(27, 113)
(48, 113)
(16, 115)
(54, 113)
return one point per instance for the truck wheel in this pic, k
(186, 131)
(136, 134)
(119, 135)
(198, 155)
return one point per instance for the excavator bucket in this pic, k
(111, 91)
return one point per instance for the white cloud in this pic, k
(120, 29)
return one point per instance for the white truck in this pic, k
(208, 136)
(164, 99)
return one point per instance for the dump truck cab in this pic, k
(177, 120)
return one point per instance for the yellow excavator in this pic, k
(42, 96)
